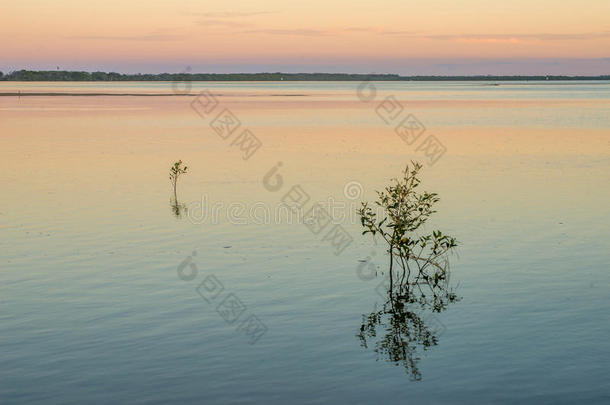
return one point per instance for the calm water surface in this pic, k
(92, 309)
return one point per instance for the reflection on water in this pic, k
(178, 209)
(406, 325)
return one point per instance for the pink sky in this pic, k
(397, 36)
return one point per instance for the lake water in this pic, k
(92, 308)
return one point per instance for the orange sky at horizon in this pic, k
(258, 32)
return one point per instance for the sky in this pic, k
(375, 36)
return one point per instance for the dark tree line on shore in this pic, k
(80, 76)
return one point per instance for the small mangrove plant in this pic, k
(419, 258)
(174, 174)
(175, 171)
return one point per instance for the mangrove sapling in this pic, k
(174, 173)
(421, 259)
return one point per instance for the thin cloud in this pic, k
(401, 33)
(361, 29)
(234, 14)
(301, 32)
(518, 37)
(379, 31)
(228, 18)
(230, 14)
(149, 37)
(222, 23)
(483, 37)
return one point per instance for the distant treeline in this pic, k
(75, 76)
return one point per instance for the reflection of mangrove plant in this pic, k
(401, 329)
(178, 209)
(418, 273)
(406, 210)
